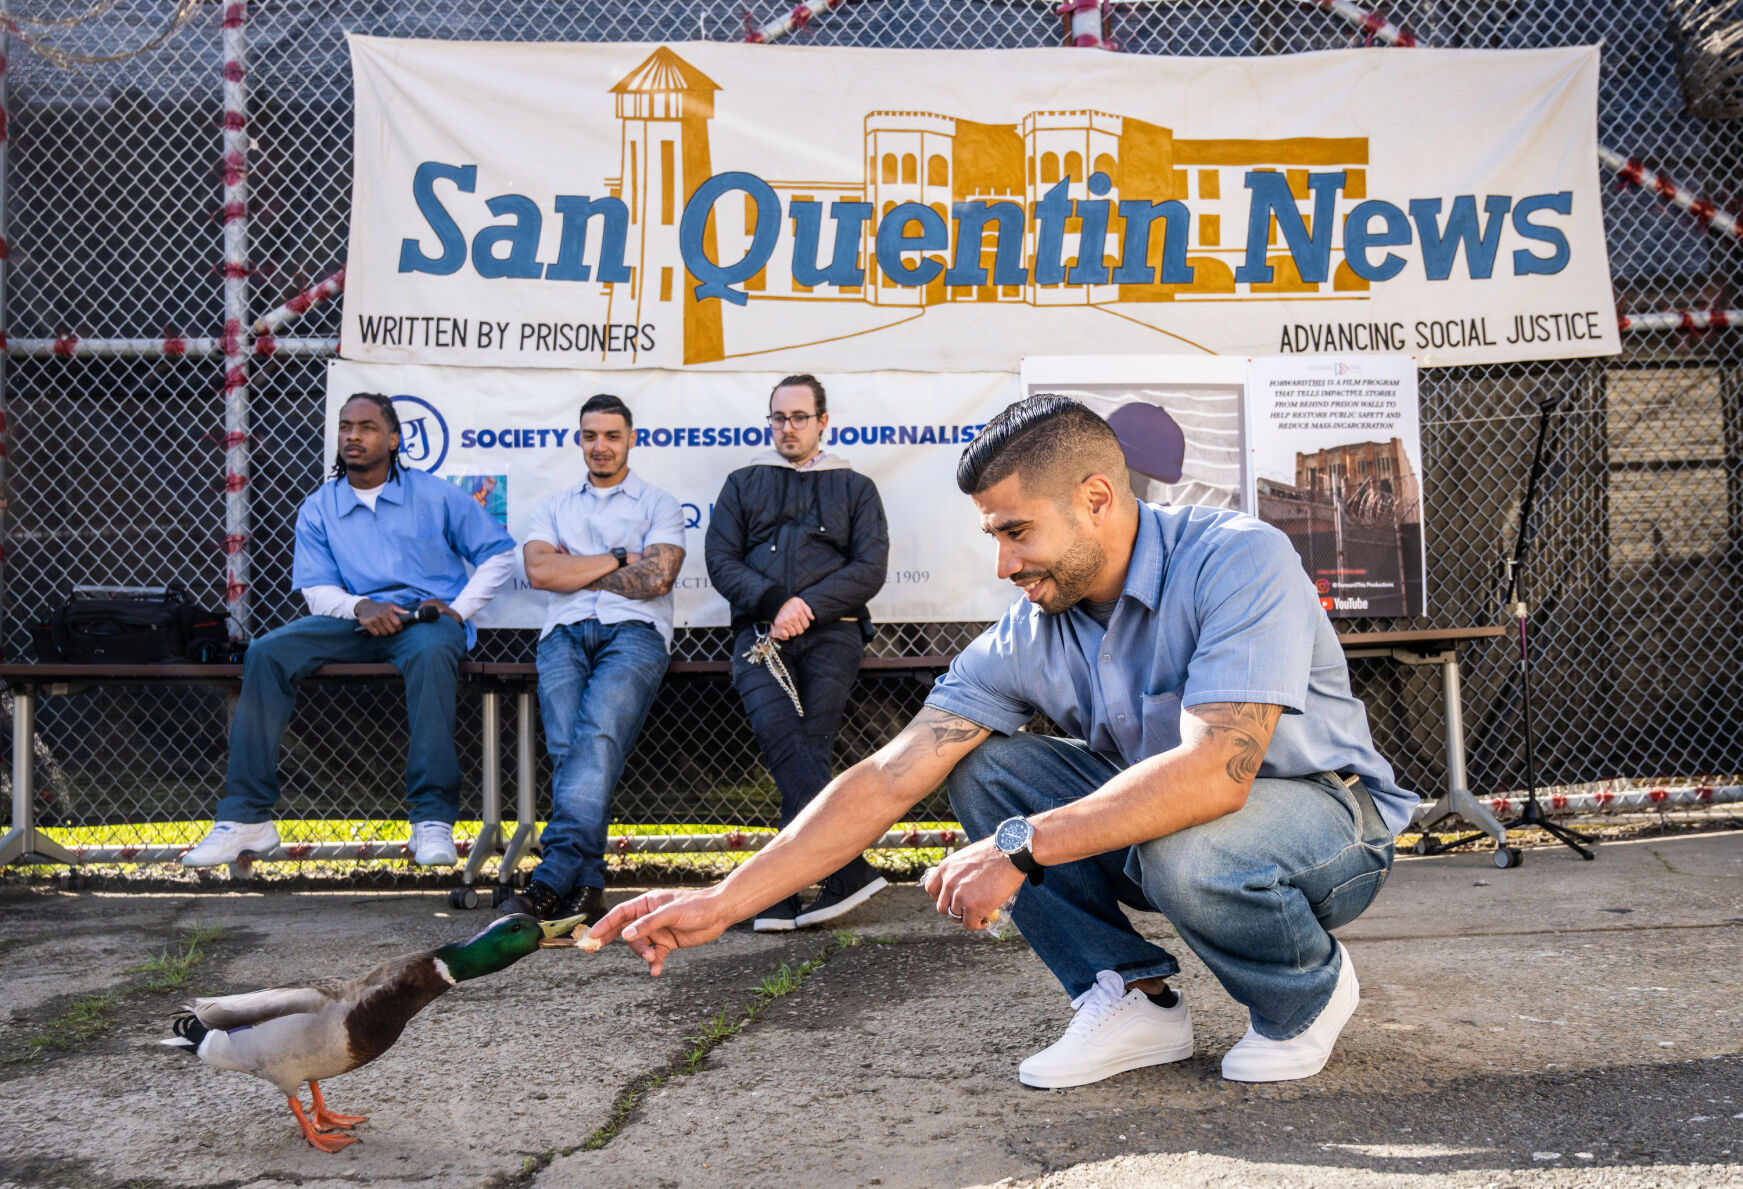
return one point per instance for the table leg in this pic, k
(22, 842)
(1458, 799)
(526, 812)
(490, 829)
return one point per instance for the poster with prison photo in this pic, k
(1335, 461)
(1177, 417)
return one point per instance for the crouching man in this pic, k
(373, 545)
(1220, 772)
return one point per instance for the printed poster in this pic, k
(1335, 461)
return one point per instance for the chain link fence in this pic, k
(115, 466)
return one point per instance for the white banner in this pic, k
(508, 437)
(829, 210)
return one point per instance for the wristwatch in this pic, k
(1013, 838)
(622, 556)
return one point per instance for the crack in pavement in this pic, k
(779, 984)
(1732, 923)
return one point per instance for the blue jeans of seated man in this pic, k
(1252, 893)
(426, 654)
(799, 752)
(596, 683)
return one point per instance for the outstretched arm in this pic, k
(849, 815)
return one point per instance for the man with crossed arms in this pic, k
(1222, 773)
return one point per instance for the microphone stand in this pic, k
(1532, 815)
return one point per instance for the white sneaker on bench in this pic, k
(229, 841)
(433, 844)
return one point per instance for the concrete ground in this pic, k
(1561, 1024)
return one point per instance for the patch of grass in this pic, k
(715, 1030)
(84, 1020)
(170, 971)
(92, 1017)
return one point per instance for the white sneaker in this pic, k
(1259, 1059)
(228, 841)
(1114, 1030)
(433, 844)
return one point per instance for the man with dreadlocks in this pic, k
(374, 544)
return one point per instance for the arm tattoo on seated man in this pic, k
(1242, 731)
(648, 578)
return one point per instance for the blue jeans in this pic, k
(427, 656)
(799, 752)
(1252, 893)
(596, 683)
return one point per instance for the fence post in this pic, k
(5, 254)
(238, 337)
(1085, 24)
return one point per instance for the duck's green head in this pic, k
(505, 942)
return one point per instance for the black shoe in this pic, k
(844, 891)
(586, 903)
(777, 918)
(539, 900)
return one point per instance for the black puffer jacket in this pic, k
(777, 532)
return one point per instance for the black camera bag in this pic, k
(141, 627)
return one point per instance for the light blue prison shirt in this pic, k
(414, 545)
(1216, 608)
(587, 521)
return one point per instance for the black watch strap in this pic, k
(622, 556)
(1025, 862)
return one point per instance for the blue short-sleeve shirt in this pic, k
(589, 520)
(415, 545)
(1216, 608)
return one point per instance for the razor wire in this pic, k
(174, 233)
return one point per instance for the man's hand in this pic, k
(444, 609)
(655, 924)
(972, 883)
(792, 619)
(378, 619)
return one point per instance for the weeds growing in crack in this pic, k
(170, 971)
(84, 1020)
(92, 1017)
(715, 1030)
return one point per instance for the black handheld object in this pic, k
(425, 614)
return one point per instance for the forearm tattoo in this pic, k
(648, 578)
(1241, 731)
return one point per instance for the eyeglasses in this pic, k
(796, 420)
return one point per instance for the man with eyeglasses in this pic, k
(798, 544)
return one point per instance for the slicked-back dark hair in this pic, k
(1035, 438)
(604, 402)
(804, 380)
(385, 404)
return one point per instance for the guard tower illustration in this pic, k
(665, 105)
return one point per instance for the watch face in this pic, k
(1013, 835)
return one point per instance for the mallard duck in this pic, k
(322, 1028)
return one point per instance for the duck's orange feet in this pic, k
(327, 1143)
(325, 1119)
